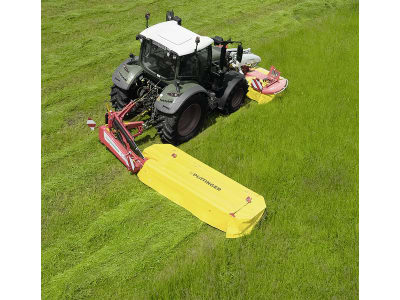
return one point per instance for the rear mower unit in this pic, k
(206, 193)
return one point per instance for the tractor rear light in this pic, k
(174, 94)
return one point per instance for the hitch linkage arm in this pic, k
(116, 136)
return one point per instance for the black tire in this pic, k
(236, 98)
(120, 98)
(185, 123)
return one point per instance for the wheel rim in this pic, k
(189, 119)
(237, 98)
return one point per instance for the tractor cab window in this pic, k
(193, 65)
(204, 64)
(188, 66)
(158, 60)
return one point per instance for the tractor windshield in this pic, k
(158, 60)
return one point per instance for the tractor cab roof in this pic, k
(175, 37)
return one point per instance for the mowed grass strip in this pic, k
(106, 235)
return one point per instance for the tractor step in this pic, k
(206, 193)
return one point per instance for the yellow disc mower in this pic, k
(209, 195)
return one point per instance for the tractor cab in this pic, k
(170, 51)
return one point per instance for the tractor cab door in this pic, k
(196, 66)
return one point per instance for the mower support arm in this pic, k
(116, 136)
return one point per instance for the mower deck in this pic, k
(211, 196)
(206, 193)
(268, 92)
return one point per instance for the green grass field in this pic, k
(107, 235)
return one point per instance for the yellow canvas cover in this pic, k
(209, 195)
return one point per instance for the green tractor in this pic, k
(179, 77)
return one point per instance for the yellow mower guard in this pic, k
(206, 193)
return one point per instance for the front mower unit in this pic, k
(209, 195)
(264, 84)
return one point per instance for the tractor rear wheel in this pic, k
(185, 123)
(120, 98)
(236, 98)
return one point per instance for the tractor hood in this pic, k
(175, 37)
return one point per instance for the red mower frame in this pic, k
(116, 136)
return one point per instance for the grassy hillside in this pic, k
(107, 235)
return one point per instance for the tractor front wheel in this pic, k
(236, 98)
(185, 123)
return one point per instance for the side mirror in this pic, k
(239, 54)
(197, 41)
(178, 85)
(147, 16)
